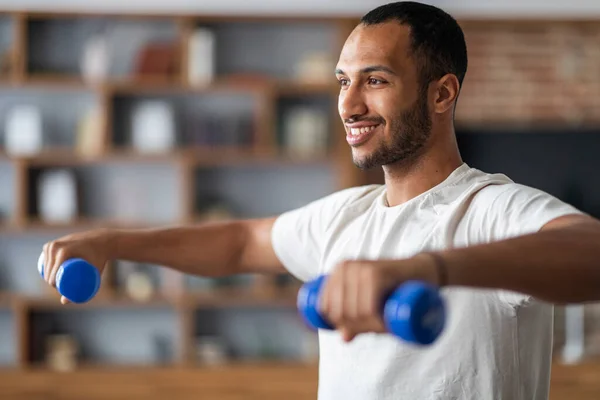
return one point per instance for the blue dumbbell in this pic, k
(76, 279)
(414, 312)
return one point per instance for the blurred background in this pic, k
(154, 113)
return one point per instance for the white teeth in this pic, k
(358, 131)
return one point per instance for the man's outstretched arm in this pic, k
(212, 249)
(558, 264)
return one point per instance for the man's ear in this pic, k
(446, 91)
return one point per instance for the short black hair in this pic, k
(437, 41)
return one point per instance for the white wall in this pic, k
(479, 8)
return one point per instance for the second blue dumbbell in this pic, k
(414, 312)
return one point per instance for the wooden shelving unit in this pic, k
(36, 72)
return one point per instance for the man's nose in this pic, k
(351, 103)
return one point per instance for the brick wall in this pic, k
(531, 72)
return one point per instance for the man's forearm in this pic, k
(216, 249)
(559, 266)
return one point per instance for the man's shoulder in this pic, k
(489, 187)
(495, 193)
(509, 192)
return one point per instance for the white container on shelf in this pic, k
(95, 60)
(23, 131)
(57, 196)
(201, 56)
(153, 127)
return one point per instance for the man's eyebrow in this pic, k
(369, 69)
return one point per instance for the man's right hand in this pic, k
(93, 246)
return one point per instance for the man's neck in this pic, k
(405, 182)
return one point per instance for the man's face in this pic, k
(381, 104)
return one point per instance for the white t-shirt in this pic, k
(496, 345)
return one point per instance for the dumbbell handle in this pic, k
(414, 312)
(76, 279)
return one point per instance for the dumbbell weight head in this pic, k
(415, 312)
(307, 303)
(76, 279)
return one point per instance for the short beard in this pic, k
(410, 132)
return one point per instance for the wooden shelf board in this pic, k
(52, 79)
(196, 155)
(235, 83)
(85, 367)
(126, 155)
(144, 85)
(206, 156)
(76, 82)
(66, 156)
(234, 366)
(215, 156)
(54, 156)
(70, 157)
(158, 85)
(217, 298)
(52, 303)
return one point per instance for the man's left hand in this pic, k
(353, 294)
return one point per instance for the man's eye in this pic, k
(373, 81)
(343, 82)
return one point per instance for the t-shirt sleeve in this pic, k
(299, 235)
(515, 210)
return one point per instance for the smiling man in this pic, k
(501, 252)
(383, 99)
